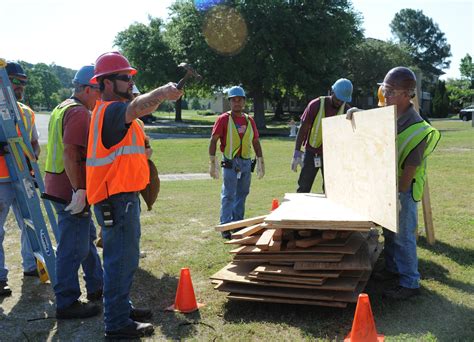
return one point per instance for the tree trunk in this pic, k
(259, 109)
(178, 111)
(279, 110)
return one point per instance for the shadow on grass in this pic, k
(463, 256)
(175, 326)
(32, 318)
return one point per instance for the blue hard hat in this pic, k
(15, 69)
(83, 75)
(342, 88)
(236, 91)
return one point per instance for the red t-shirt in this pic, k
(309, 115)
(76, 123)
(220, 128)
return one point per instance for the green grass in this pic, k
(179, 232)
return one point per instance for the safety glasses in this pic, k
(18, 82)
(389, 92)
(124, 78)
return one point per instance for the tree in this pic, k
(467, 69)
(460, 94)
(425, 41)
(440, 101)
(261, 51)
(42, 84)
(368, 63)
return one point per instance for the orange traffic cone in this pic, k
(363, 326)
(185, 300)
(275, 204)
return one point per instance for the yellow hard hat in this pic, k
(381, 97)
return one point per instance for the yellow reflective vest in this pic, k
(233, 141)
(316, 133)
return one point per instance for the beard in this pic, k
(126, 95)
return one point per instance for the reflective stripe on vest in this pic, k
(407, 141)
(230, 151)
(121, 168)
(28, 117)
(54, 157)
(316, 134)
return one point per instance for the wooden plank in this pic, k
(428, 215)
(278, 235)
(329, 234)
(322, 258)
(308, 242)
(281, 292)
(265, 239)
(287, 270)
(267, 299)
(351, 247)
(239, 224)
(248, 231)
(248, 240)
(274, 246)
(360, 166)
(358, 261)
(287, 279)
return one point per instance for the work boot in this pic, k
(140, 315)
(226, 235)
(400, 293)
(78, 309)
(385, 275)
(131, 331)
(4, 289)
(95, 296)
(32, 273)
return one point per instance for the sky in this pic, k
(57, 31)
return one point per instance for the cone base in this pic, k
(173, 308)
(380, 338)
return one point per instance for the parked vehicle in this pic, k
(466, 113)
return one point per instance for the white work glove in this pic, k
(260, 168)
(351, 111)
(78, 202)
(213, 167)
(170, 92)
(297, 160)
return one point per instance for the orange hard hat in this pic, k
(381, 97)
(111, 63)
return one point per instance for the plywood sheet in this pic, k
(287, 270)
(342, 296)
(310, 211)
(267, 299)
(360, 164)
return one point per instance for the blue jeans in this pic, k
(235, 189)
(308, 173)
(75, 248)
(400, 249)
(121, 243)
(7, 200)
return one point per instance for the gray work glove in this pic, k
(297, 160)
(78, 202)
(214, 167)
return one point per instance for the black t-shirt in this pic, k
(114, 128)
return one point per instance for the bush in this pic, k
(205, 112)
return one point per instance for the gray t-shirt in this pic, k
(407, 119)
(114, 127)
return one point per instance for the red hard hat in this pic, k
(111, 63)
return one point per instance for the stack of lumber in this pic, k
(300, 256)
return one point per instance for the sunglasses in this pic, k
(18, 82)
(124, 78)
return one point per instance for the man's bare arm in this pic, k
(74, 164)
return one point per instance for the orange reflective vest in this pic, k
(28, 117)
(121, 168)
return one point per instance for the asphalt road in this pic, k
(41, 121)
